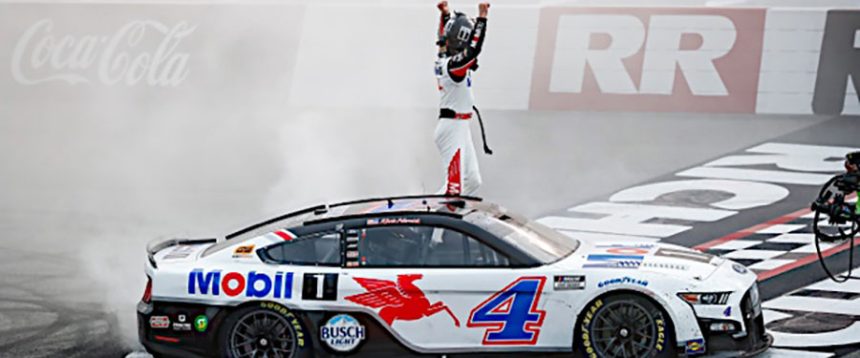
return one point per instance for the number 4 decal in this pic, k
(511, 315)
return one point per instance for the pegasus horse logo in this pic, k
(399, 301)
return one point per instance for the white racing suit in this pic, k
(454, 141)
(453, 134)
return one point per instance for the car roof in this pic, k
(416, 204)
(447, 211)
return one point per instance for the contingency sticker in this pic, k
(574, 282)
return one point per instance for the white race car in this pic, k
(437, 275)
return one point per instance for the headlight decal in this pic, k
(705, 298)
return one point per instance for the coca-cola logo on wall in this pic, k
(139, 52)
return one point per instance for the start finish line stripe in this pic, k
(752, 230)
(804, 261)
(788, 266)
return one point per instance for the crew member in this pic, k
(460, 41)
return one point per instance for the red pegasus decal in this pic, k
(399, 301)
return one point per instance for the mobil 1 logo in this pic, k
(319, 286)
(839, 62)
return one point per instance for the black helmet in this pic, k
(853, 158)
(457, 31)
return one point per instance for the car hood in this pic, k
(662, 258)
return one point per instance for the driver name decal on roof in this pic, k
(402, 300)
(393, 221)
(232, 284)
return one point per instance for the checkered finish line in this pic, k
(776, 246)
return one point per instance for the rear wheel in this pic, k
(625, 325)
(268, 330)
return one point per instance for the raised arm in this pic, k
(459, 64)
(445, 14)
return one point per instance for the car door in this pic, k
(441, 290)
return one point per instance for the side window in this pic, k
(423, 246)
(482, 255)
(391, 246)
(314, 250)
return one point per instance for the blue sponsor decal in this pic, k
(695, 346)
(622, 281)
(728, 311)
(232, 284)
(614, 261)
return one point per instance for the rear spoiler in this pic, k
(155, 246)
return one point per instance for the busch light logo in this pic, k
(141, 51)
(232, 284)
(342, 333)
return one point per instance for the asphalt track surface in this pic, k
(72, 264)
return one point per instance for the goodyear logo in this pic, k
(622, 281)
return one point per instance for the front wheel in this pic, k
(625, 325)
(265, 330)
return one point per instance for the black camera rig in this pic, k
(843, 221)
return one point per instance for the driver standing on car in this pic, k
(460, 41)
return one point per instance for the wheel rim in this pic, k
(623, 329)
(262, 334)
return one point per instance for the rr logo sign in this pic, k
(648, 59)
(839, 63)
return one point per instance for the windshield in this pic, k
(538, 241)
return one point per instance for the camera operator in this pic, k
(843, 217)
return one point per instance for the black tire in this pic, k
(624, 325)
(264, 327)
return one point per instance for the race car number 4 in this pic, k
(511, 316)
